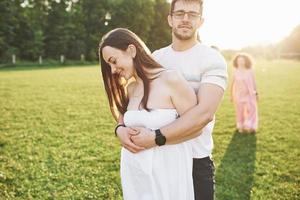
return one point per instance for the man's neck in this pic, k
(182, 45)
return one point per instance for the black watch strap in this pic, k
(123, 125)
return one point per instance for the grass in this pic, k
(46, 63)
(57, 141)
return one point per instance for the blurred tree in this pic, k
(9, 22)
(292, 43)
(30, 28)
(136, 15)
(21, 32)
(160, 33)
(57, 30)
(93, 18)
(36, 13)
(76, 44)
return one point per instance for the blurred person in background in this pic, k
(244, 94)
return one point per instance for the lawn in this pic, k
(57, 141)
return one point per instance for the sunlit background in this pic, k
(41, 31)
(233, 24)
(57, 136)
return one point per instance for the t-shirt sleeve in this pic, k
(216, 71)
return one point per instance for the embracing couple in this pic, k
(165, 109)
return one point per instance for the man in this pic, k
(206, 71)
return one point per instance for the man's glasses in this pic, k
(181, 14)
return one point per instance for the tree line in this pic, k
(73, 28)
(287, 48)
(50, 28)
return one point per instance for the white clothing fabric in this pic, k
(200, 64)
(159, 173)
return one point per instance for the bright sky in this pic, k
(238, 23)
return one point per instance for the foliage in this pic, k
(292, 43)
(52, 28)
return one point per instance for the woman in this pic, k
(244, 94)
(151, 97)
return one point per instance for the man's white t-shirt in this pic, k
(200, 64)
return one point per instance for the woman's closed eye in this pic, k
(112, 60)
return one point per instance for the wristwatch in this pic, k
(160, 139)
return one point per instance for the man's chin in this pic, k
(183, 36)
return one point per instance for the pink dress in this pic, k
(244, 97)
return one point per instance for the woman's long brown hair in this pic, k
(143, 63)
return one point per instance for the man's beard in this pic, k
(183, 36)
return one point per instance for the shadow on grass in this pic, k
(2, 143)
(234, 176)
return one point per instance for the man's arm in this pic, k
(213, 84)
(190, 124)
(193, 121)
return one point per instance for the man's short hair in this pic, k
(197, 1)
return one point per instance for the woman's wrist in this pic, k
(118, 126)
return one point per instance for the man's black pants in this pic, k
(203, 178)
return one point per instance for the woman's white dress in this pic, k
(159, 173)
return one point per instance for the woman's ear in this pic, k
(131, 50)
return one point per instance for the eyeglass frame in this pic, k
(191, 15)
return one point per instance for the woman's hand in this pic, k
(124, 134)
(145, 137)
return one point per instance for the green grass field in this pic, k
(57, 140)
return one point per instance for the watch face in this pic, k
(160, 140)
(163, 138)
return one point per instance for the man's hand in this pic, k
(145, 137)
(124, 134)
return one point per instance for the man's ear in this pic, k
(170, 22)
(131, 50)
(200, 23)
